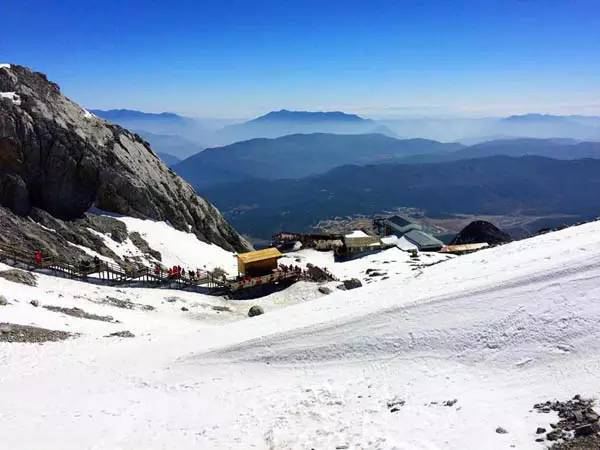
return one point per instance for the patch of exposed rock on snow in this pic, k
(392, 262)
(12, 96)
(94, 254)
(181, 248)
(88, 115)
(125, 249)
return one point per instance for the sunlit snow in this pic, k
(497, 330)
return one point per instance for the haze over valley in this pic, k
(275, 178)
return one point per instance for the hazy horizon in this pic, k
(240, 59)
(364, 115)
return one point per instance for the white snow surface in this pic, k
(12, 96)
(88, 115)
(125, 249)
(4, 66)
(181, 248)
(392, 262)
(356, 234)
(401, 242)
(498, 330)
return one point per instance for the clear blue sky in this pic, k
(241, 58)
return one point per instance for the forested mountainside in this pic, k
(493, 185)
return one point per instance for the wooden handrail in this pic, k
(115, 274)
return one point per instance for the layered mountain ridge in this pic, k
(299, 155)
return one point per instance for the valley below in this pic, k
(517, 226)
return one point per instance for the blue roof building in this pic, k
(399, 226)
(424, 241)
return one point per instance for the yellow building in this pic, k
(260, 262)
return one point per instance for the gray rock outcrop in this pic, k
(122, 334)
(19, 276)
(65, 239)
(255, 310)
(352, 283)
(10, 332)
(57, 157)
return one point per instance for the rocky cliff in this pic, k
(57, 157)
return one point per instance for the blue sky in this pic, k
(378, 58)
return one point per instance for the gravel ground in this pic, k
(10, 332)
(577, 427)
(584, 443)
(125, 304)
(77, 312)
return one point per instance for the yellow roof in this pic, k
(259, 255)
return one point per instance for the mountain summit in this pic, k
(285, 115)
(284, 122)
(116, 115)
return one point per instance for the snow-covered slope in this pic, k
(181, 248)
(497, 330)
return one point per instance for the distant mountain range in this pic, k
(176, 146)
(475, 130)
(298, 155)
(212, 132)
(287, 174)
(301, 155)
(157, 128)
(167, 132)
(552, 119)
(311, 117)
(168, 159)
(122, 115)
(550, 148)
(284, 122)
(528, 185)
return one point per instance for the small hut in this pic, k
(259, 262)
(356, 244)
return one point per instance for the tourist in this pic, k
(38, 257)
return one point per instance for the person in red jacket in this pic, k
(38, 257)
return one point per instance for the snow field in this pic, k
(181, 248)
(498, 330)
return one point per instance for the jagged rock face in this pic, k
(481, 231)
(56, 156)
(67, 239)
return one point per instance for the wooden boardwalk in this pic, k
(102, 272)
